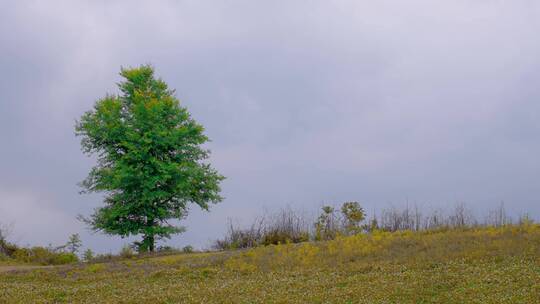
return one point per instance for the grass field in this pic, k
(487, 265)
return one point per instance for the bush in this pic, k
(7, 249)
(64, 258)
(286, 226)
(35, 255)
(88, 255)
(187, 249)
(44, 256)
(237, 238)
(4, 257)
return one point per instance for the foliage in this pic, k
(44, 256)
(6, 248)
(326, 224)
(150, 159)
(353, 215)
(34, 255)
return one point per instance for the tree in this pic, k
(74, 243)
(353, 215)
(88, 255)
(150, 160)
(325, 226)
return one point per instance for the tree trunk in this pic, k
(149, 239)
(148, 243)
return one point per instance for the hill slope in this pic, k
(489, 265)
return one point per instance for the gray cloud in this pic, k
(305, 102)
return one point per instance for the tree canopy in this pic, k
(150, 160)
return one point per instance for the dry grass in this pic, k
(485, 265)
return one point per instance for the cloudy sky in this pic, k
(306, 102)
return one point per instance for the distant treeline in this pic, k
(289, 226)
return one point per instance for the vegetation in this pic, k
(447, 265)
(7, 249)
(74, 243)
(150, 160)
(88, 255)
(11, 254)
(288, 226)
(43, 256)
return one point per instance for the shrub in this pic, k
(4, 257)
(285, 226)
(187, 249)
(237, 238)
(74, 243)
(64, 258)
(44, 256)
(6, 248)
(88, 255)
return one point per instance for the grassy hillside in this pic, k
(488, 265)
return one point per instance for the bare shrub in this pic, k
(525, 219)
(498, 217)
(434, 220)
(461, 217)
(237, 238)
(285, 226)
(394, 219)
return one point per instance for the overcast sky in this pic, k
(306, 102)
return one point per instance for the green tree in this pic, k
(150, 160)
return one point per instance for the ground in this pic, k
(488, 265)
